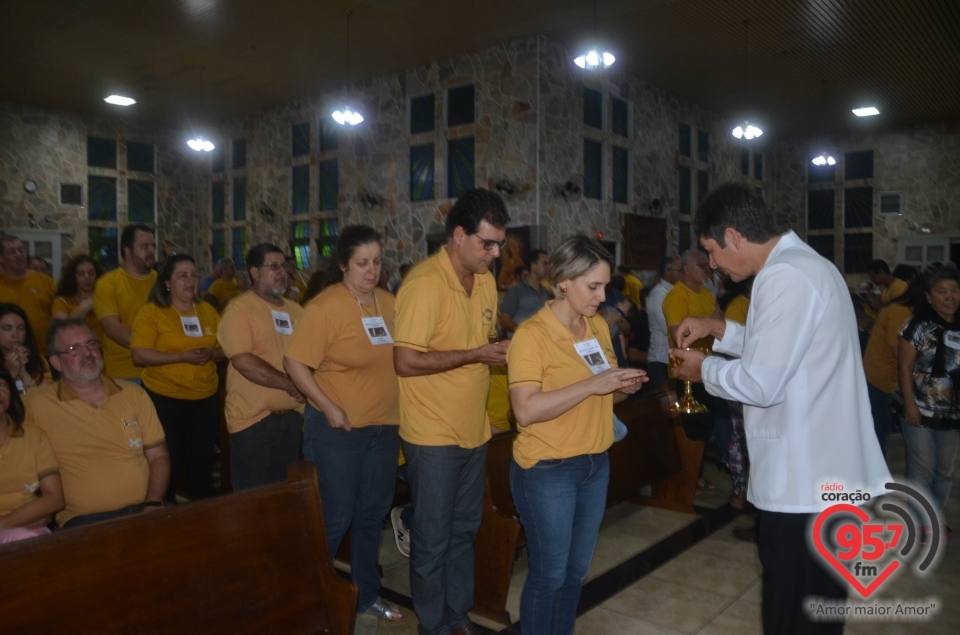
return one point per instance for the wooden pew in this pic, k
(250, 562)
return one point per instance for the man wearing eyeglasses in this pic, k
(264, 409)
(446, 319)
(670, 271)
(105, 433)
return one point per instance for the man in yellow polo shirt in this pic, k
(225, 287)
(30, 290)
(264, 409)
(120, 295)
(689, 297)
(891, 287)
(446, 319)
(105, 434)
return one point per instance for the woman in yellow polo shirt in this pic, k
(21, 355)
(564, 381)
(29, 468)
(75, 292)
(175, 339)
(341, 359)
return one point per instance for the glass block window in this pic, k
(823, 245)
(592, 168)
(686, 205)
(460, 166)
(745, 162)
(621, 174)
(329, 135)
(684, 231)
(820, 206)
(300, 134)
(328, 229)
(703, 145)
(218, 202)
(101, 198)
(685, 139)
(141, 202)
(820, 173)
(703, 185)
(239, 157)
(460, 106)
(857, 252)
(217, 162)
(592, 108)
(857, 207)
(619, 117)
(239, 244)
(301, 190)
(858, 165)
(218, 246)
(421, 172)
(101, 153)
(240, 198)
(103, 245)
(300, 244)
(758, 166)
(422, 113)
(329, 185)
(140, 157)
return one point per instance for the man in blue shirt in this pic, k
(527, 296)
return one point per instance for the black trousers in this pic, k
(259, 455)
(791, 572)
(191, 427)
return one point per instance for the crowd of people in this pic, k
(110, 389)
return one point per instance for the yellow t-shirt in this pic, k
(879, 362)
(25, 459)
(65, 304)
(34, 294)
(162, 330)
(118, 293)
(434, 313)
(896, 289)
(681, 302)
(100, 451)
(224, 291)
(301, 288)
(247, 326)
(498, 400)
(737, 309)
(632, 289)
(354, 373)
(542, 354)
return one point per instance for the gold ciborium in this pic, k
(687, 404)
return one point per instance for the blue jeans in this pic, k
(357, 473)
(930, 456)
(446, 486)
(561, 504)
(880, 403)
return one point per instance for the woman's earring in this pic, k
(563, 289)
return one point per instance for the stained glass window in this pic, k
(101, 198)
(422, 113)
(460, 166)
(592, 168)
(328, 229)
(101, 153)
(592, 108)
(857, 253)
(239, 154)
(329, 134)
(218, 202)
(301, 138)
(684, 193)
(239, 242)
(140, 201)
(218, 246)
(217, 163)
(685, 139)
(858, 165)
(140, 157)
(858, 207)
(460, 106)
(621, 174)
(103, 246)
(300, 244)
(620, 118)
(820, 206)
(329, 185)
(240, 198)
(421, 172)
(301, 190)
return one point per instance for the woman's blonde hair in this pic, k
(574, 257)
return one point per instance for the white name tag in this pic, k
(282, 322)
(376, 330)
(952, 339)
(592, 355)
(20, 388)
(191, 326)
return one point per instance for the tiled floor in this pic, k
(711, 588)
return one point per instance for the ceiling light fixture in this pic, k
(348, 115)
(746, 130)
(595, 58)
(869, 111)
(119, 100)
(199, 143)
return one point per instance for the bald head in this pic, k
(696, 268)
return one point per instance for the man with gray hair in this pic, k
(670, 270)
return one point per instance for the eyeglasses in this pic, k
(488, 245)
(273, 266)
(74, 349)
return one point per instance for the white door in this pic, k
(920, 251)
(43, 243)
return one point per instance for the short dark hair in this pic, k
(258, 253)
(946, 271)
(350, 238)
(533, 256)
(34, 363)
(129, 234)
(68, 275)
(160, 294)
(6, 239)
(879, 266)
(618, 282)
(61, 325)
(475, 206)
(905, 272)
(736, 206)
(15, 409)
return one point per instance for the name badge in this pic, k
(591, 353)
(20, 388)
(376, 330)
(282, 322)
(191, 326)
(952, 339)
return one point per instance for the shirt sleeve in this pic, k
(313, 335)
(59, 306)
(45, 459)
(145, 329)
(235, 333)
(511, 302)
(418, 310)
(674, 309)
(105, 300)
(525, 358)
(913, 332)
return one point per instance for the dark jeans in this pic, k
(192, 428)
(89, 519)
(880, 403)
(792, 573)
(561, 505)
(446, 486)
(259, 455)
(357, 472)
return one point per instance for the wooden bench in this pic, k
(251, 562)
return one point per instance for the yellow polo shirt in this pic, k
(355, 374)
(69, 304)
(25, 459)
(737, 309)
(542, 354)
(632, 288)
(34, 294)
(498, 399)
(896, 289)
(224, 291)
(162, 330)
(681, 302)
(434, 313)
(247, 326)
(100, 451)
(118, 293)
(879, 360)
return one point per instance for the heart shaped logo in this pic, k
(850, 553)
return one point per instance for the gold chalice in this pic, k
(687, 404)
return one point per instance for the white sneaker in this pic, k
(400, 532)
